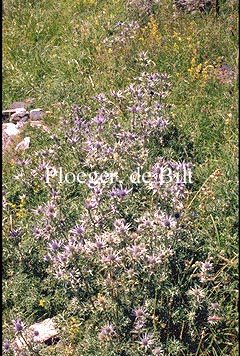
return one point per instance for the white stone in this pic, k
(46, 330)
(36, 114)
(10, 129)
(20, 114)
(20, 110)
(24, 144)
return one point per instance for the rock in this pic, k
(7, 113)
(18, 104)
(22, 104)
(9, 130)
(36, 114)
(192, 6)
(43, 332)
(20, 114)
(24, 144)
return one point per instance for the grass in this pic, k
(64, 54)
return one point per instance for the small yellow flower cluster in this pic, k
(36, 188)
(73, 326)
(69, 350)
(41, 303)
(21, 212)
(150, 33)
(200, 70)
(195, 68)
(11, 205)
(18, 209)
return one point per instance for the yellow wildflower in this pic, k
(41, 303)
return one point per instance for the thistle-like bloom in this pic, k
(136, 251)
(167, 222)
(120, 226)
(91, 204)
(119, 192)
(47, 257)
(146, 340)
(145, 222)
(78, 230)
(15, 234)
(158, 351)
(214, 319)
(54, 245)
(38, 211)
(111, 257)
(214, 306)
(206, 266)
(100, 118)
(6, 346)
(140, 313)
(206, 270)
(107, 332)
(197, 293)
(18, 326)
(139, 324)
(71, 247)
(99, 243)
(50, 210)
(23, 163)
(153, 260)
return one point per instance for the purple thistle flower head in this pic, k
(71, 248)
(140, 313)
(119, 192)
(139, 324)
(107, 332)
(6, 346)
(78, 230)
(135, 108)
(23, 162)
(111, 257)
(99, 243)
(74, 139)
(54, 245)
(206, 266)
(146, 340)
(100, 97)
(97, 190)
(18, 326)
(99, 119)
(47, 257)
(35, 333)
(91, 204)
(120, 226)
(15, 234)
(153, 260)
(108, 329)
(50, 210)
(214, 306)
(38, 211)
(167, 222)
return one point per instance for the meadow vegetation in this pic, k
(125, 268)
